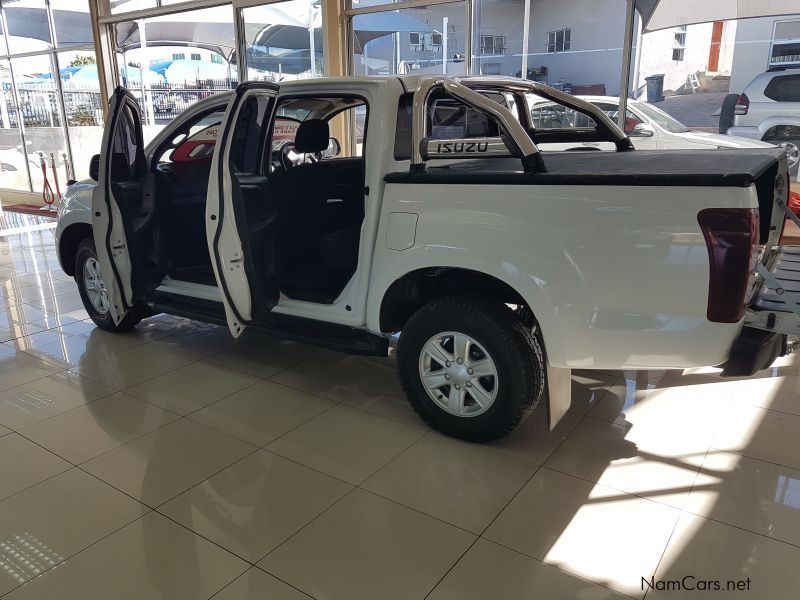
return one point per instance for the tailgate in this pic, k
(775, 300)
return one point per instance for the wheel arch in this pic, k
(781, 131)
(421, 286)
(68, 243)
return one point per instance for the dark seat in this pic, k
(302, 210)
(321, 213)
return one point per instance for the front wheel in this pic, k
(471, 368)
(93, 292)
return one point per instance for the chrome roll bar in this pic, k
(523, 146)
(512, 84)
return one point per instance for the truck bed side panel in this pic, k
(617, 275)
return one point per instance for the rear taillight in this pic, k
(731, 236)
(742, 105)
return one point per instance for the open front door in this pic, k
(118, 199)
(240, 215)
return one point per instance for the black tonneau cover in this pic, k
(724, 167)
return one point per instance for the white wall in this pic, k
(656, 55)
(751, 53)
(595, 56)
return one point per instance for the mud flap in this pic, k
(559, 394)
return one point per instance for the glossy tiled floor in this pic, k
(172, 462)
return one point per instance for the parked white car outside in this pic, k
(649, 127)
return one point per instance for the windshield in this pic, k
(660, 118)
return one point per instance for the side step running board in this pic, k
(316, 333)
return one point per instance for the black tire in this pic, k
(514, 348)
(726, 112)
(86, 251)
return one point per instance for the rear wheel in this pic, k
(471, 368)
(93, 291)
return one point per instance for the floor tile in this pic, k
(368, 547)
(32, 402)
(262, 412)
(77, 342)
(255, 584)
(87, 431)
(135, 365)
(709, 550)
(589, 530)
(265, 356)
(23, 464)
(619, 456)
(368, 383)
(752, 494)
(62, 302)
(255, 504)
(760, 433)
(488, 570)
(346, 443)
(162, 464)
(152, 558)
(17, 368)
(460, 483)
(11, 329)
(646, 440)
(781, 393)
(192, 387)
(532, 440)
(46, 523)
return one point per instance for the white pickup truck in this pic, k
(343, 211)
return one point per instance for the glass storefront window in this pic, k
(83, 106)
(284, 40)
(71, 23)
(28, 26)
(421, 40)
(497, 46)
(172, 61)
(573, 45)
(13, 171)
(40, 112)
(123, 6)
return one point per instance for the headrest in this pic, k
(313, 135)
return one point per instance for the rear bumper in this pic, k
(753, 350)
(754, 133)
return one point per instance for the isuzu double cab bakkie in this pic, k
(344, 211)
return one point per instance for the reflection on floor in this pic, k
(173, 462)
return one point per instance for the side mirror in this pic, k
(94, 167)
(642, 130)
(333, 149)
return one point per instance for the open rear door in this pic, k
(240, 222)
(117, 196)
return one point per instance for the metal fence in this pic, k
(38, 106)
(171, 99)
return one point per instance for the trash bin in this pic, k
(655, 88)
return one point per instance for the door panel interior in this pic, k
(241, 219)
(124, 221)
